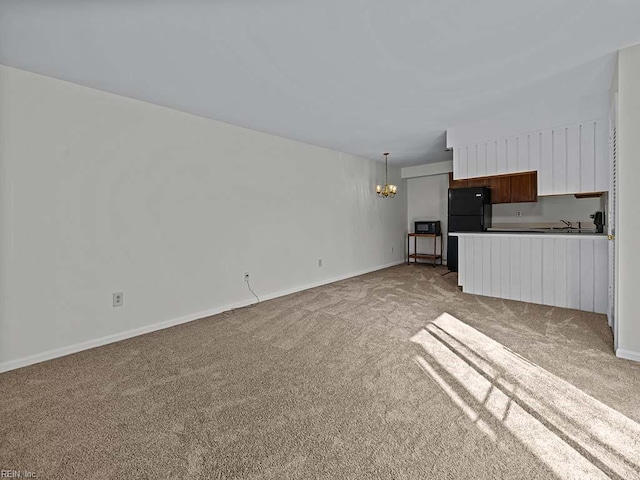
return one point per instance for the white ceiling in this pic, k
(358, 76)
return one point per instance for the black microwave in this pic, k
(432, 226)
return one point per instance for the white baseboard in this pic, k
(329, 280)
(628, 355)
(116, 337)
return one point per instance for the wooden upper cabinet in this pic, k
(512, 188)
(478, 182)
(524, 187)
(500, 189)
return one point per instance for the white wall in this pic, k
(101, 193)
(548, 210)
(628, 224)
(427, 169)
(427, 199)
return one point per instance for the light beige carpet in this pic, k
(364, 378)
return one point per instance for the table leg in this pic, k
(435, 240)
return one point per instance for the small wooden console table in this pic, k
(434, 257)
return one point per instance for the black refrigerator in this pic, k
(469, 211)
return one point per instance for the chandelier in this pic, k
(387, 190)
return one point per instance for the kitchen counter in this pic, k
(531, 233)
(559, 269)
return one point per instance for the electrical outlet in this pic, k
(518, 213)
(319, 262)
(118, 299)
(246, 276)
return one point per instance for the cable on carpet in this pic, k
(233, 310)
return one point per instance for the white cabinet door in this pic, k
(492, 158)
(523, 153)
(535, 146)
(560, 274)
(472, 161)
(486, 266)
(515, 249)
(545, 172)
(456, 163)
(496, 267)
(587, 272)
(559, 161)
(505, 267)
(588, 157)
(525, 269)
(536, 270)
(512, 155)
(463, 163)
(548, 272)
(573, 273)
(601, 284)
(501, 156)
(573, 159)
(482, 159)
(603, 159)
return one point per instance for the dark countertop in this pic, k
(536, 232)
(572, 231)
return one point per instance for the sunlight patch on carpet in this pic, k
(505, 395)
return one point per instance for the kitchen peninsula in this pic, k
(558, 269)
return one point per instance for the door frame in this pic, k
(612, 201)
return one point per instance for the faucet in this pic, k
(568, 224)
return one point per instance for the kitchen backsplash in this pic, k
(549, 211)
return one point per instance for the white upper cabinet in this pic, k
(569, 159)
